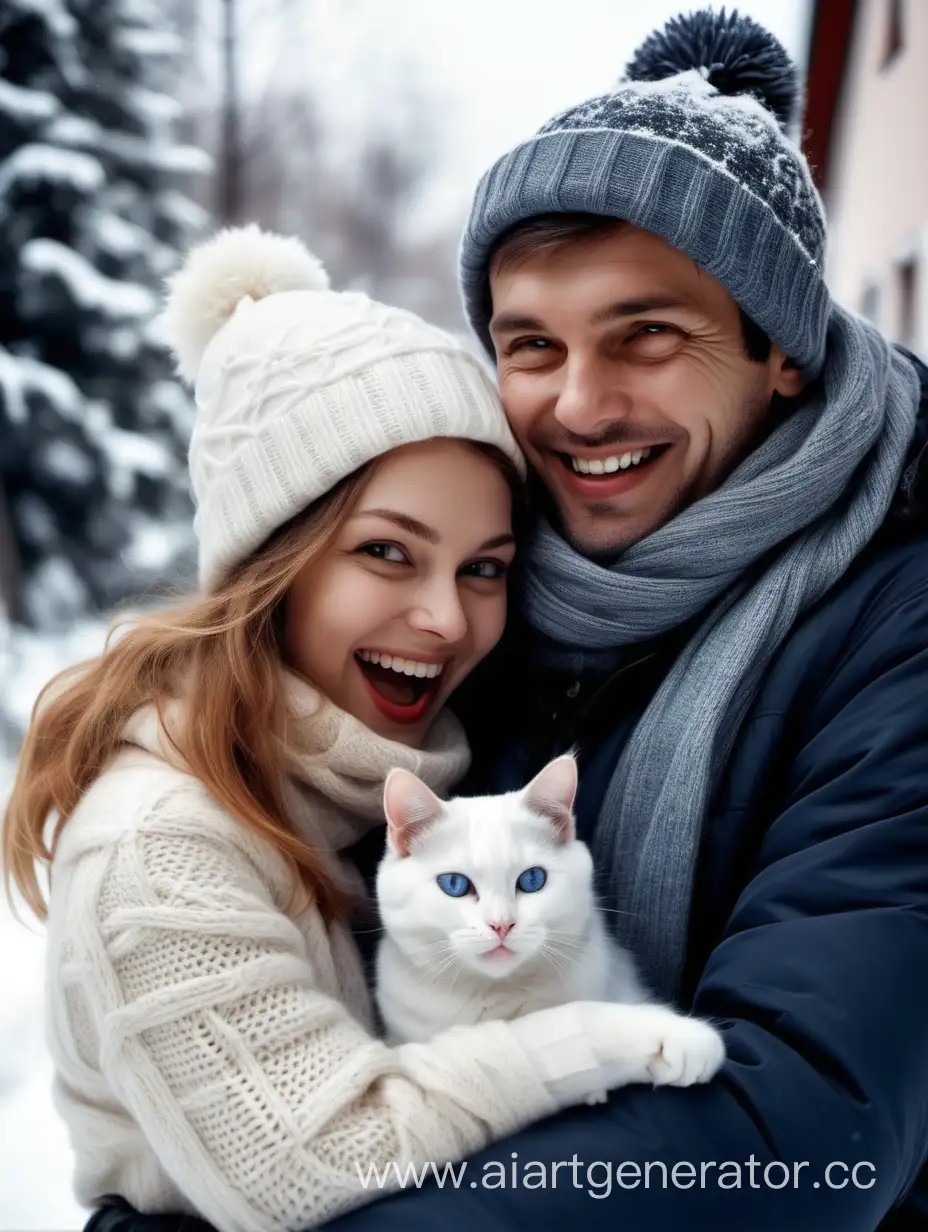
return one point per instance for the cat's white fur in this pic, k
(439, 962)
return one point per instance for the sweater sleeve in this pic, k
(263, 1099)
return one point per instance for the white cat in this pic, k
(488, 912)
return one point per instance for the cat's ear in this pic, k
(409, 806)
(551, 794)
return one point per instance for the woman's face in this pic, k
(412, 593)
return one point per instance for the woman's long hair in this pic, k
(225, 648)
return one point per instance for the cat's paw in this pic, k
(596, 1097)
(690, 1051)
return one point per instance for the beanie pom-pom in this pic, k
(737, 55)
(219, 273)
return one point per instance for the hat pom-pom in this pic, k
(219, 273)
(737, 55)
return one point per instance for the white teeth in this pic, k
(405, 667)
(607, 466)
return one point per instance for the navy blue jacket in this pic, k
(808, 945)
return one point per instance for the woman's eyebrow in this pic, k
(414, 527)
(498, 541)
(403, 520)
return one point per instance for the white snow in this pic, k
(64, 460)
(36, 519)
(54, 595)
(89, 288)
(169, 399)
(131, 454)
(154, 107)
(28, 106)
(117, 236)
(182, 211)
(156, 545)
(37, 1161)
(150, 42)
(73, 130)
(36, 164)
(122, 342)
(36, 1168)
(53, 12)
(182, 160)
(19, 373)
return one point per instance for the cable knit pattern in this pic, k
(212, 1039)
(300, 389)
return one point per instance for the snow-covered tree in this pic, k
(93, 427)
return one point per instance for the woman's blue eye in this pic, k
(531, 880)
(454, 884)
(384, 551)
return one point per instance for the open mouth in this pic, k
(401, 689)
(633, 461)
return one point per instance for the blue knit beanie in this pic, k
(693, 146)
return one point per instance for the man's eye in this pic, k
(384, 551)
(490, 569)
(653, 331)
(530, 344)
(653, 339)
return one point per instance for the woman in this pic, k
(208, 1016)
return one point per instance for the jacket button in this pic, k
(574, 690)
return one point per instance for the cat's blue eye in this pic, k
(454, 884)
(531, 880)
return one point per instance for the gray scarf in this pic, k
(756, 554)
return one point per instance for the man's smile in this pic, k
(604, 475)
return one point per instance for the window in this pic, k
(907, 282)
(895, 30)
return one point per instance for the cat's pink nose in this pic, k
(502, 929)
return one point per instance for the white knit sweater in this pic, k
(212, 1038)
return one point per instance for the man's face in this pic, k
(623, 371)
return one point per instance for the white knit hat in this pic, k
(297, 386)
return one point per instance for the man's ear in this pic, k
(409, 806)
(787, 379)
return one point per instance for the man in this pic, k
(725, 608)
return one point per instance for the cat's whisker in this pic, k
(442, 944)
(547, 953)
(440, 970)
(567, 948)
(566, 955)
(445, 952)
(568, 940)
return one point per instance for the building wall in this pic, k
(877, 196)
